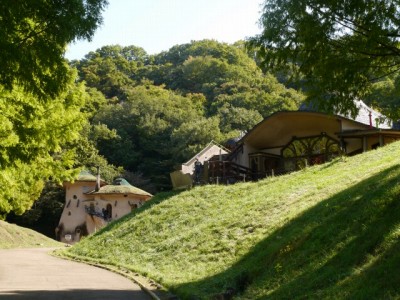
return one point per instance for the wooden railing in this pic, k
(227, 172)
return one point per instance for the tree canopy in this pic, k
(149, 125)
(34, 135)
(41, 112)
(340, 47)
(33, 38)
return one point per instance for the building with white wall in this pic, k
(91, 204)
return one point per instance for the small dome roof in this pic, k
(121, 181)
(121, 186)
(85, 175)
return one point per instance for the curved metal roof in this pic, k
(273, 131)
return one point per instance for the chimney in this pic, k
(98, 179)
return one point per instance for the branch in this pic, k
(385, 75)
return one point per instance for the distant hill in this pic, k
(327, 232)
(13, 236)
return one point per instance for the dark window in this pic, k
(108, 213)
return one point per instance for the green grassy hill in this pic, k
(13, 236)
(328, 232)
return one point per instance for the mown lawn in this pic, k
(328, 232)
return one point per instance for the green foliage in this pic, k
(385, 95)
(340, 47)
(327, 232)
(180, 53)
(34, 133)
(267, 97)
(190, 137)
(237, 118)
(94, 101)
(221, 72)
(110, 68)
(151, 125)
(40, 105)
(166, 107)
(87, 154)
(209, 68)
(33, 39)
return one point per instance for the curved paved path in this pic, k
(34, 274)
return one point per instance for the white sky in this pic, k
(157, 25)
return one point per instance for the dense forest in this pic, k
(155, 112)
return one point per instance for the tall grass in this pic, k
(330, 231)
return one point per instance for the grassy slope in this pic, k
(331, 231)
(13, 236)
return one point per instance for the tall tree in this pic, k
(341, 47)
(33, 38)
(164, 108)
(34, 134)
(111, 68)
(224, 74)
(385, 94)
(155, 128)
(40, 104)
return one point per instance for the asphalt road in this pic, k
(34, 274)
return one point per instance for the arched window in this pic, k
(309, 151)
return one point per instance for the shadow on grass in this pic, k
(339, 248)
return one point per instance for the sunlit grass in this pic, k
(322, 232)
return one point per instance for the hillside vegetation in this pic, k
(148, 113)
(13, 236)
(328, 232)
